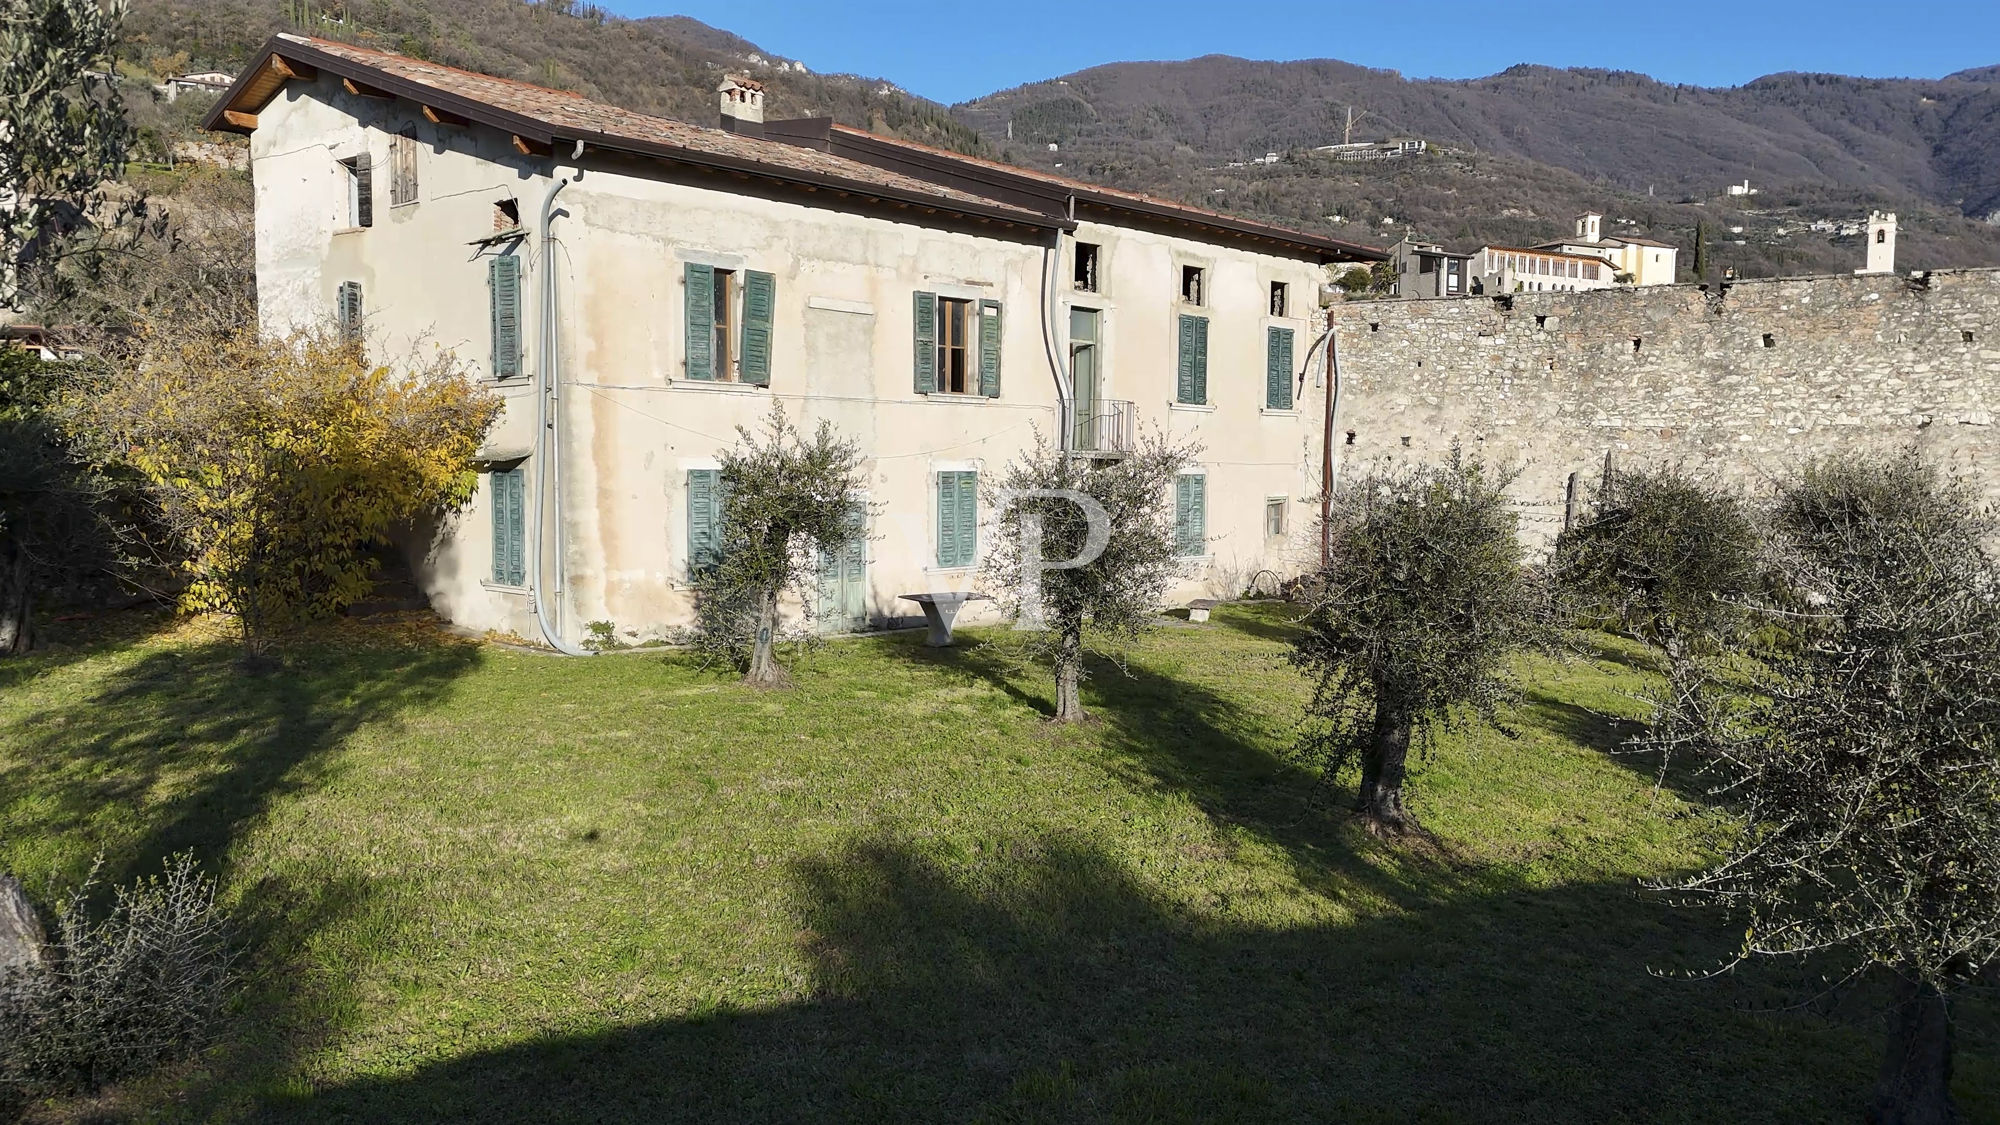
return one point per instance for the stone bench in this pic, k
(940, 609)
(1198, 609)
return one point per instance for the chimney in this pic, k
(742, 105)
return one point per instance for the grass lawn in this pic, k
(480, 884)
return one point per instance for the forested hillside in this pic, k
(1513, 157)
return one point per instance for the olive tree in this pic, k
(1057, 578)
(1410, 624)
(784, 498)
(1669, 556)
(62, 129)
(1864, 762)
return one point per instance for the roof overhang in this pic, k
(283, 60)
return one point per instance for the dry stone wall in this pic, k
(1742, 380)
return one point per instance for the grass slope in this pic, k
(484, 884)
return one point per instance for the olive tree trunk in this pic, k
(17, 624)
(1069, 676)
(1915, 1087)
(764, 670)
(1384, 761)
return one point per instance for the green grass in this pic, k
(482, 884)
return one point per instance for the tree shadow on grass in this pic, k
(1045, 982)
(182, 749)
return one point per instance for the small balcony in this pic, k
(1106, 428)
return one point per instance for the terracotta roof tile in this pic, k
(568, 115)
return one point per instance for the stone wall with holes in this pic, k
(1742, 380)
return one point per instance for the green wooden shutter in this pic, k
(700, 321)
(1200, 360)
(1278, 369)
(1183, 513)
(968, 518)
(925, 321)
(989, 348)
(958, 518)
(947, 552)
(503, 283)
(348, 310)
(760, 298)
(1184, 383)
(704, 518)
(510, 533)
(364, 191)
(1198, 523)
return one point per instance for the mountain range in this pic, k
(1510, 158)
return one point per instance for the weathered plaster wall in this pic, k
(842, 342)
(1743, 382)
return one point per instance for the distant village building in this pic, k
(210, 82)
(635, 288)
(1508, 269)
(1375, 150)
(1644, 261)
(1743, 188)
(1426, 269)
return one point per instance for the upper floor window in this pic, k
(1281, 299)
(729, 315)
(359, 176)
(1085, 280)
(957, 341)
(1194, 280)
(402, 169)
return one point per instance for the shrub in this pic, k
(277, 464)
(117, 996)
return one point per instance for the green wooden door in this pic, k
(843, 580)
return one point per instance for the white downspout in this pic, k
(548, 439)
(1052, 338)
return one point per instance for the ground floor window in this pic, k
(1190, 515)
(958, 518)
(507, 493)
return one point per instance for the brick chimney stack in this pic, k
(742, 105)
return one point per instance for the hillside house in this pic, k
(1644, 261)
(637, 288)
(1426, 269)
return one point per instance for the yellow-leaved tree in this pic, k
(278, 463)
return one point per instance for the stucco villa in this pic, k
(636, 288)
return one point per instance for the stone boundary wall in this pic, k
(1742, 380)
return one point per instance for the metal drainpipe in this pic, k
(1052, 339)
(548, 445)
(1326, 446)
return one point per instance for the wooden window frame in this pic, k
(403, 169)
(956, 344)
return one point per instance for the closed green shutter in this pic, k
(989, 348)
(700, 321)
(704, 503)
(1190, 514)
(958, 518)
(364, 191)
(925, 321)
(1200, 359)
(1278, 373)
(1192, 385)
(509, 499)
(349, 310)
(760, 299)
(503, 282)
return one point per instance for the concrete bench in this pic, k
(1198, 609)
(940, 609)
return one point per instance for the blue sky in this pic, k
(952, 51)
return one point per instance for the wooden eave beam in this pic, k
(301, 71)
(240, 119)
(437, 116)
(363, 90)
(528, 146)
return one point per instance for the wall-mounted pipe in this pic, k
(1326, 466)
(1053, 333)
(548, 444)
